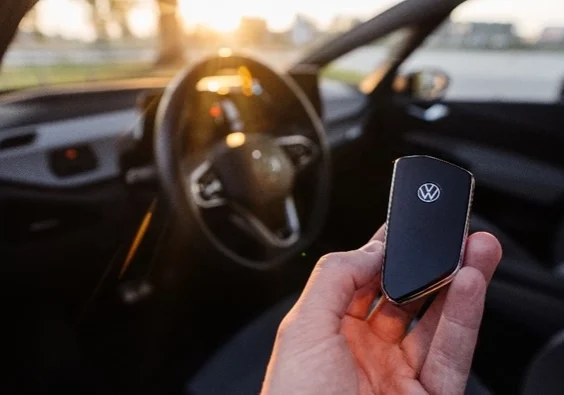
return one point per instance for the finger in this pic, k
(483, 253)
(448, 362)
(363, 299)
(380, 234)
(390, 322)
(416, 344)
(333, 283)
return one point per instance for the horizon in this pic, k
(528, 18)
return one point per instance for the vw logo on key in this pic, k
(429, 192)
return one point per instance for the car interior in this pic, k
(155, 231)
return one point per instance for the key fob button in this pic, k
(426, 227)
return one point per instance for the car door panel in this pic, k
(508, 172)
(521, 128)
(512, 150)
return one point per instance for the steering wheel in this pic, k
(244, 161)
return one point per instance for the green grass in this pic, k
(348, 76)
(21, 77)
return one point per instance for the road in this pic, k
(512, 75)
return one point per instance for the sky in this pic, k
(530, 16)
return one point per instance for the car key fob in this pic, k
(426, 228)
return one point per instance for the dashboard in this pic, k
(75, 137)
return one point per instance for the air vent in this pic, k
(17, 141)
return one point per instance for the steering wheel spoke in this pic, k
(205, 187)
(272, 235)
(301, 150)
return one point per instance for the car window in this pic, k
(80, 40)
(361, 62)
(499, 50)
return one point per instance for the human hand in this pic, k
(329, 343)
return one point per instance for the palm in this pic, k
(381, 367)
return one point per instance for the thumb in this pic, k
(333, 282)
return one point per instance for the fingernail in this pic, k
(372, 246)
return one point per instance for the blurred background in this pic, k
(491, 48)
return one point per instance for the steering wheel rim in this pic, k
(173, 177)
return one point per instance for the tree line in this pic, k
(170, 48)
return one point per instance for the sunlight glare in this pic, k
(143, 21)
(225, 52)
(72, 24)
(223, 18)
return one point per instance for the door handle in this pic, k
(432, 114)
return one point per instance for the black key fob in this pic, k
(426, 228)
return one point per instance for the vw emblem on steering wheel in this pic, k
(428, 192)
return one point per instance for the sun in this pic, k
(142, 21)
(222, 17)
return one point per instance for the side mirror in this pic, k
(426, 85)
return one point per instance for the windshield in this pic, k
(86, 40)
(83, 40)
